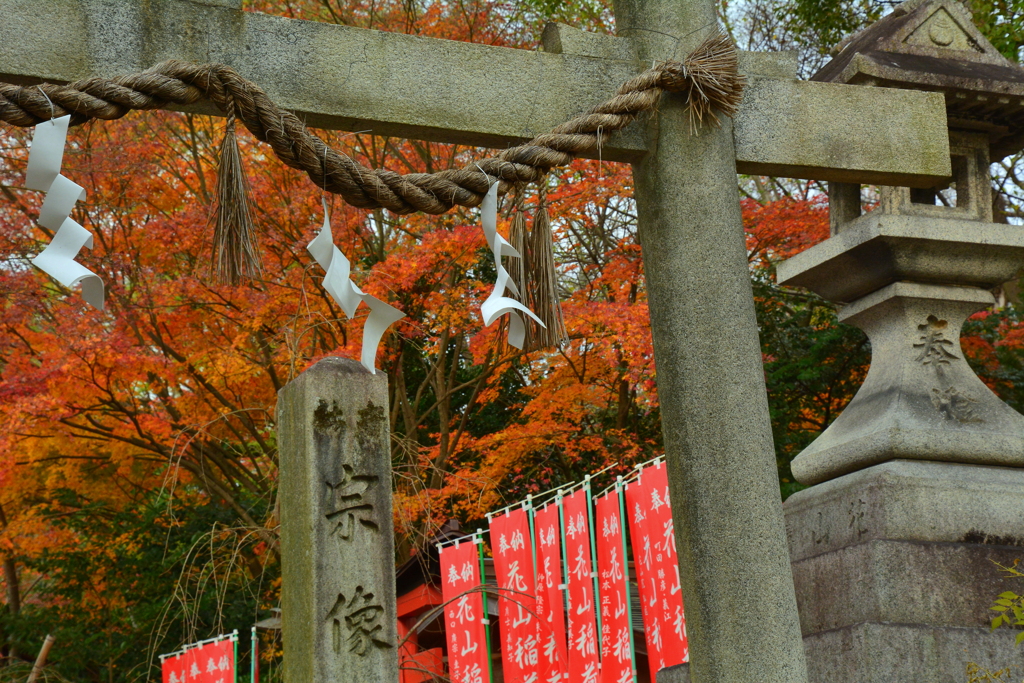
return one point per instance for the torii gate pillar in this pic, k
(734, 559)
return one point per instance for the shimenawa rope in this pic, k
(708, 77)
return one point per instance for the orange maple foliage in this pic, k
(170, 391)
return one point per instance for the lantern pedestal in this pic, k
(894, 568)
(921, 400)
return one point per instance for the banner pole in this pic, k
(255, 653)
(234, 643)
(486, 616)
(565, 557)
(593, 554)
(528, 506)
(623, 523)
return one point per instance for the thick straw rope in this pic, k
(708, 77)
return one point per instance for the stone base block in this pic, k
(904, 653)
(940, 584)
(899, 653)
(895, 571)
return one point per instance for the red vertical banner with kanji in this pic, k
(173, 668)
(513, 565)
(638, 512)
(616, 624)
(584, 660)
(468, 658)
(550, 601)
(654, 480)
(654, 554)
(216, 662)
(212, 662)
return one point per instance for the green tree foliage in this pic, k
(1009, 606)
(133, 582)
(1002, 22)
(813, 367)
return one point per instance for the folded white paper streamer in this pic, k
(43, 173)
(497, 304)
(349, 296)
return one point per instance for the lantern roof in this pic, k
(934, 45)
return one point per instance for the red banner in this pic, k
(676, 647)
(584, 662)
(638, 510)
(616, 626)
(550, 602)
(173, 668)
(654, 552)
(208, 663)
(468, 659)
(513, 565)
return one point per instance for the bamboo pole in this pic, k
(41, 659)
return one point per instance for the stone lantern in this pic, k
(919, 484)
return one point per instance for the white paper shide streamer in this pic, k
(497, 304)
(348, 295)
(43, 174)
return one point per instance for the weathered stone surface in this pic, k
(894, 574)
(789, 129)
(878, 249)
(778, 65)
(908, 500)
(920, 400)
(355, 79)
(907, 653)
(561, 39)
(337, 543)
(972, 181)
(718, 442)
(940, 584)
(844, 205)
(675, 674)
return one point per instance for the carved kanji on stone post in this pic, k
(337, 537)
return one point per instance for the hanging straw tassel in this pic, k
(235, 242)
(543, 280)
(517, 267)
(519, 240)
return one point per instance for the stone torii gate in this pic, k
(735, 566)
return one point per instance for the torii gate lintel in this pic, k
(345, 78)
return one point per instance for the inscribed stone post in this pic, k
(734, 563)
(337, 542)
